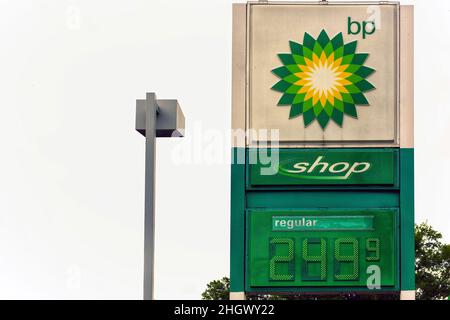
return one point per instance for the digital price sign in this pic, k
(323, 248)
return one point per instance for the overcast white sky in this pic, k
(72, 166)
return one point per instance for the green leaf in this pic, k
(281, 86)
(364, 71)
(286, 99)
(338, 41)
(350, 48)
(317, 49)
(323, 39)
(299, 98)
(286, 58)
(308, 41)
(350, 109)
(353, 78)
(291, 78)
(328, 49)
(293, 68)
(364, 85)
(352, 68)
(352, 89)
(296, 48)
(317, 109)
(338, 117)
(308, 53)
(308, 117)
(339, 53)
(293, 90)
(281, 72)
(307, 105)
(328, 108)
(347, 59)
(347, 98)
(339, 105)
(323, 119)
(299, 60)
(359, 58)
(360, 99)
(296, 110)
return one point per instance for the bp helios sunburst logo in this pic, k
(323, 79)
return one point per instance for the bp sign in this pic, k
(324, 73)
(322, 174)
(321, 248)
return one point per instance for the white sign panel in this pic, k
(324, 74)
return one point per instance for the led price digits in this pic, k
(373, 249)
(310, 261)
(346, 255)
(343, 259)
(282, 259)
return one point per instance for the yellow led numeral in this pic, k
(281, 259)
(373, 249)
(313, 259)
(344, 259)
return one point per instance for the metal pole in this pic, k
(153, 122)
(149, 222)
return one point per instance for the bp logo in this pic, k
(323, 79)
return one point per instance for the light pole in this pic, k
(154, 118)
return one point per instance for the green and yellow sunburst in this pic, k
(323, 79)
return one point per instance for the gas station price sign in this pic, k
(322, 248)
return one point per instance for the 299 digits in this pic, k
(313, 260)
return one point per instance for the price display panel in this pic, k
(356, 248)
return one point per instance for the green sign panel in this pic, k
(324, 167)
(329, 248)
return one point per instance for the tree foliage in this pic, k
(432, 264)
(217, 290)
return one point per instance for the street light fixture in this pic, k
(154, 119)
